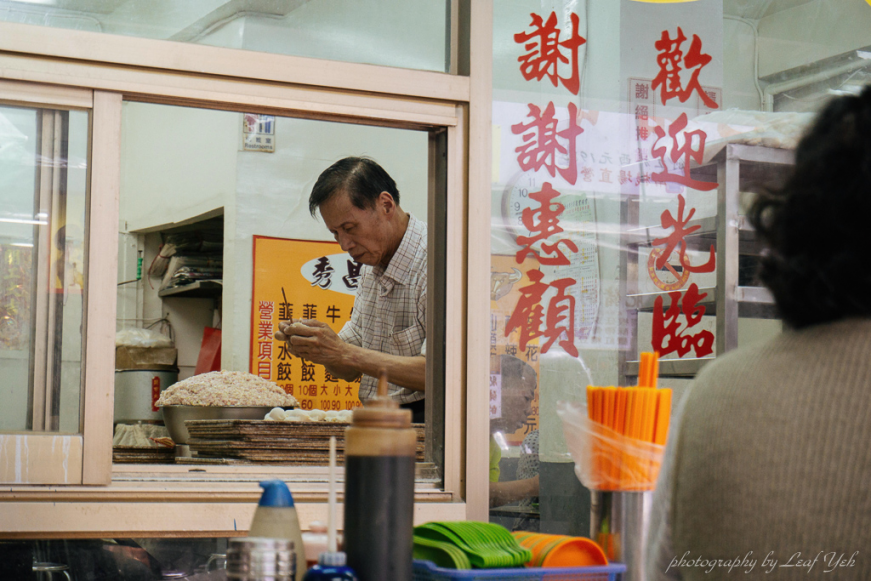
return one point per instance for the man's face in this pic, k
(517, 396)
(364, 234)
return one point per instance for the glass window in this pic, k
(397, 33)
(217, 245)
(629, 138)
(44, 165)
(116, 558)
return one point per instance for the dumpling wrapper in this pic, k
(296, 416)
(275, 415)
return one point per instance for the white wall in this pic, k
(176, 163)
(155, 18)
(739, 50)
(398, 33)
(272, 200)
(810, 32)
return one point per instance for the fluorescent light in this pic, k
(22, 221)
(22, 244)
(848, 90)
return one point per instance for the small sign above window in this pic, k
(258, 132)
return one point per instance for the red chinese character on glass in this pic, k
(642, 91)
(678, 236)
(540, 142)
(667, 334)
(528, 314)
(544, 54)
(561, 318)
(682, 147)
(672, 61)
(542, 223)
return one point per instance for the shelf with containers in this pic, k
(731, 294)
(154, 303)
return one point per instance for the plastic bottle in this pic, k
(331, 562)
(380, 448)
(331, 567)
(276, 518)
(315, 541)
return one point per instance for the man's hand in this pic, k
(318, 343)
(312, 340)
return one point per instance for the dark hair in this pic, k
(815, 225)
(361, 177)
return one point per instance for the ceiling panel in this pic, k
(757, 9)
(83, 6)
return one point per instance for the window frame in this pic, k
(113, 69)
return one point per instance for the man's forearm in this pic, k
(408, 372)
(512, 491)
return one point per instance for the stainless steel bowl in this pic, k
(174, 416)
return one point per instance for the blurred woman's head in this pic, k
(816, 263)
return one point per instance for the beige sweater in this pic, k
(772, 458)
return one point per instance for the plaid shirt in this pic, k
(390, 309)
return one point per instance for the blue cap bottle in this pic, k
(331, 567)
(275, 518)
(331, 563)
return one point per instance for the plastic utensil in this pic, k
(442, 554)
(562, 551)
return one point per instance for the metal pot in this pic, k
(174, 416)
(136, 392)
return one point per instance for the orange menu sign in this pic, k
(301, 279)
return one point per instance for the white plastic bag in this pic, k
(136, 337)
(605, 459)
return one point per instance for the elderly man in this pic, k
(359, 203)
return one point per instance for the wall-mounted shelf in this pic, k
(198, 290)
(736, 168)
(673, 367)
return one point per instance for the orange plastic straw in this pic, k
(633, 417)
(621, 400)
(648, 370)
(663, 416)
(641, 413)
(597, 417)
(648, 414)
(597, 404)
(610, 398)
(637, 406)
(643, 370)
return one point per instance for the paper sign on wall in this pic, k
(258, 132)
(301, 279)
